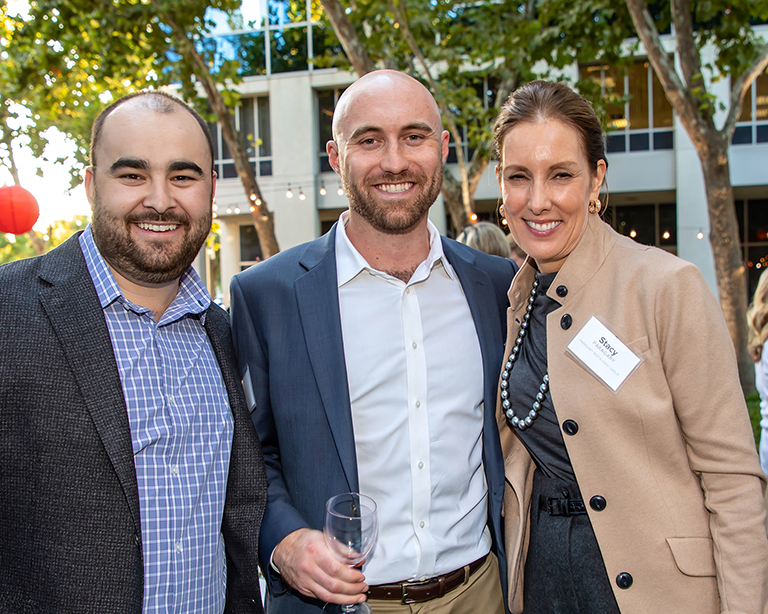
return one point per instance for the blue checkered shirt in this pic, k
(181, 431)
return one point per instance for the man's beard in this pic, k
(154, 262)
(393, 217)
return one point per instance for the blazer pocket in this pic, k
(693, 556)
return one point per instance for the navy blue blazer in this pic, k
(287, 335)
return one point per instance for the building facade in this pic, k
(654, 178)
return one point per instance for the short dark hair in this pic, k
(158, 101)
(541, 100)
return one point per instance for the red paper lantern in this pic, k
(18, 210)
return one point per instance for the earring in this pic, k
(595, 206)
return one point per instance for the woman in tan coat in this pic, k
(633, 483)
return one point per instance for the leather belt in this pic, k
(562, 506)
(418, 592)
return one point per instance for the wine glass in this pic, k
(351, 528)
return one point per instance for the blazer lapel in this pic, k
(482, 304)
(318, 300)
(70, 301)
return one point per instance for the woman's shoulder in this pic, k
(629, 253)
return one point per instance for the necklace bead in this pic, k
(517, 422)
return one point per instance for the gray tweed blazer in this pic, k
(70, 534)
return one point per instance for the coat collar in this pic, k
(318, 304)
(579, 267)
(69, 299)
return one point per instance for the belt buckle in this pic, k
(405, 600)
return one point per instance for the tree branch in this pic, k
(686, 45)
(685, 106)
(350, 41)
(447, 115)
(739, 89)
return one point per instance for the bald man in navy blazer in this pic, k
(299, 329)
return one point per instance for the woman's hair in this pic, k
(757, 318)
(542, 100)
(485, 237)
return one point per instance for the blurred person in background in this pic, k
(757, 318)
(485, 237)
(515, 251)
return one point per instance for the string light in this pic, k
(473, 217)
(301, 194)
(700, 235)
(340, 191)
(237, 209)
(289, 192)
(323, 191)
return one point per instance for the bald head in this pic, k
(391, 86)
(148, 100)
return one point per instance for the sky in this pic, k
(55, 199)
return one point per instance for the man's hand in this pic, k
(307, 565)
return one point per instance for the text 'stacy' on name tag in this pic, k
(603, 354)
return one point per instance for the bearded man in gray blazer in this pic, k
(131, 478)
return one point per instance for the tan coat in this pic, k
(672, 452)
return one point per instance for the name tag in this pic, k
(603, 354)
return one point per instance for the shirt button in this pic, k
(174, 470)
(178, 546)
(421, 465)
(418, 403)
(421, 524)
(414, 345)
(408, 290)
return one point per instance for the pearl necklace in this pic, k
(522, 423)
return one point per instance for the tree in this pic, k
(740, 55)
(15, 248)
(78, 48)
(472, 56)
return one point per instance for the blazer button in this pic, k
(570, 427)
(566, 321)
(561, 291)
(624, 580)
(598, 504)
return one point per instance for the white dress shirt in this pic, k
(415, 375)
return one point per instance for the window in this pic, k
(642, 123)
(326, 103)
(252, 121)
(752, 215)
(486, 88)
(753, 121)
(291, 38)
(650, 224)
(250, 248)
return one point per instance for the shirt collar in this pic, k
(192, 297)
(349, 262)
